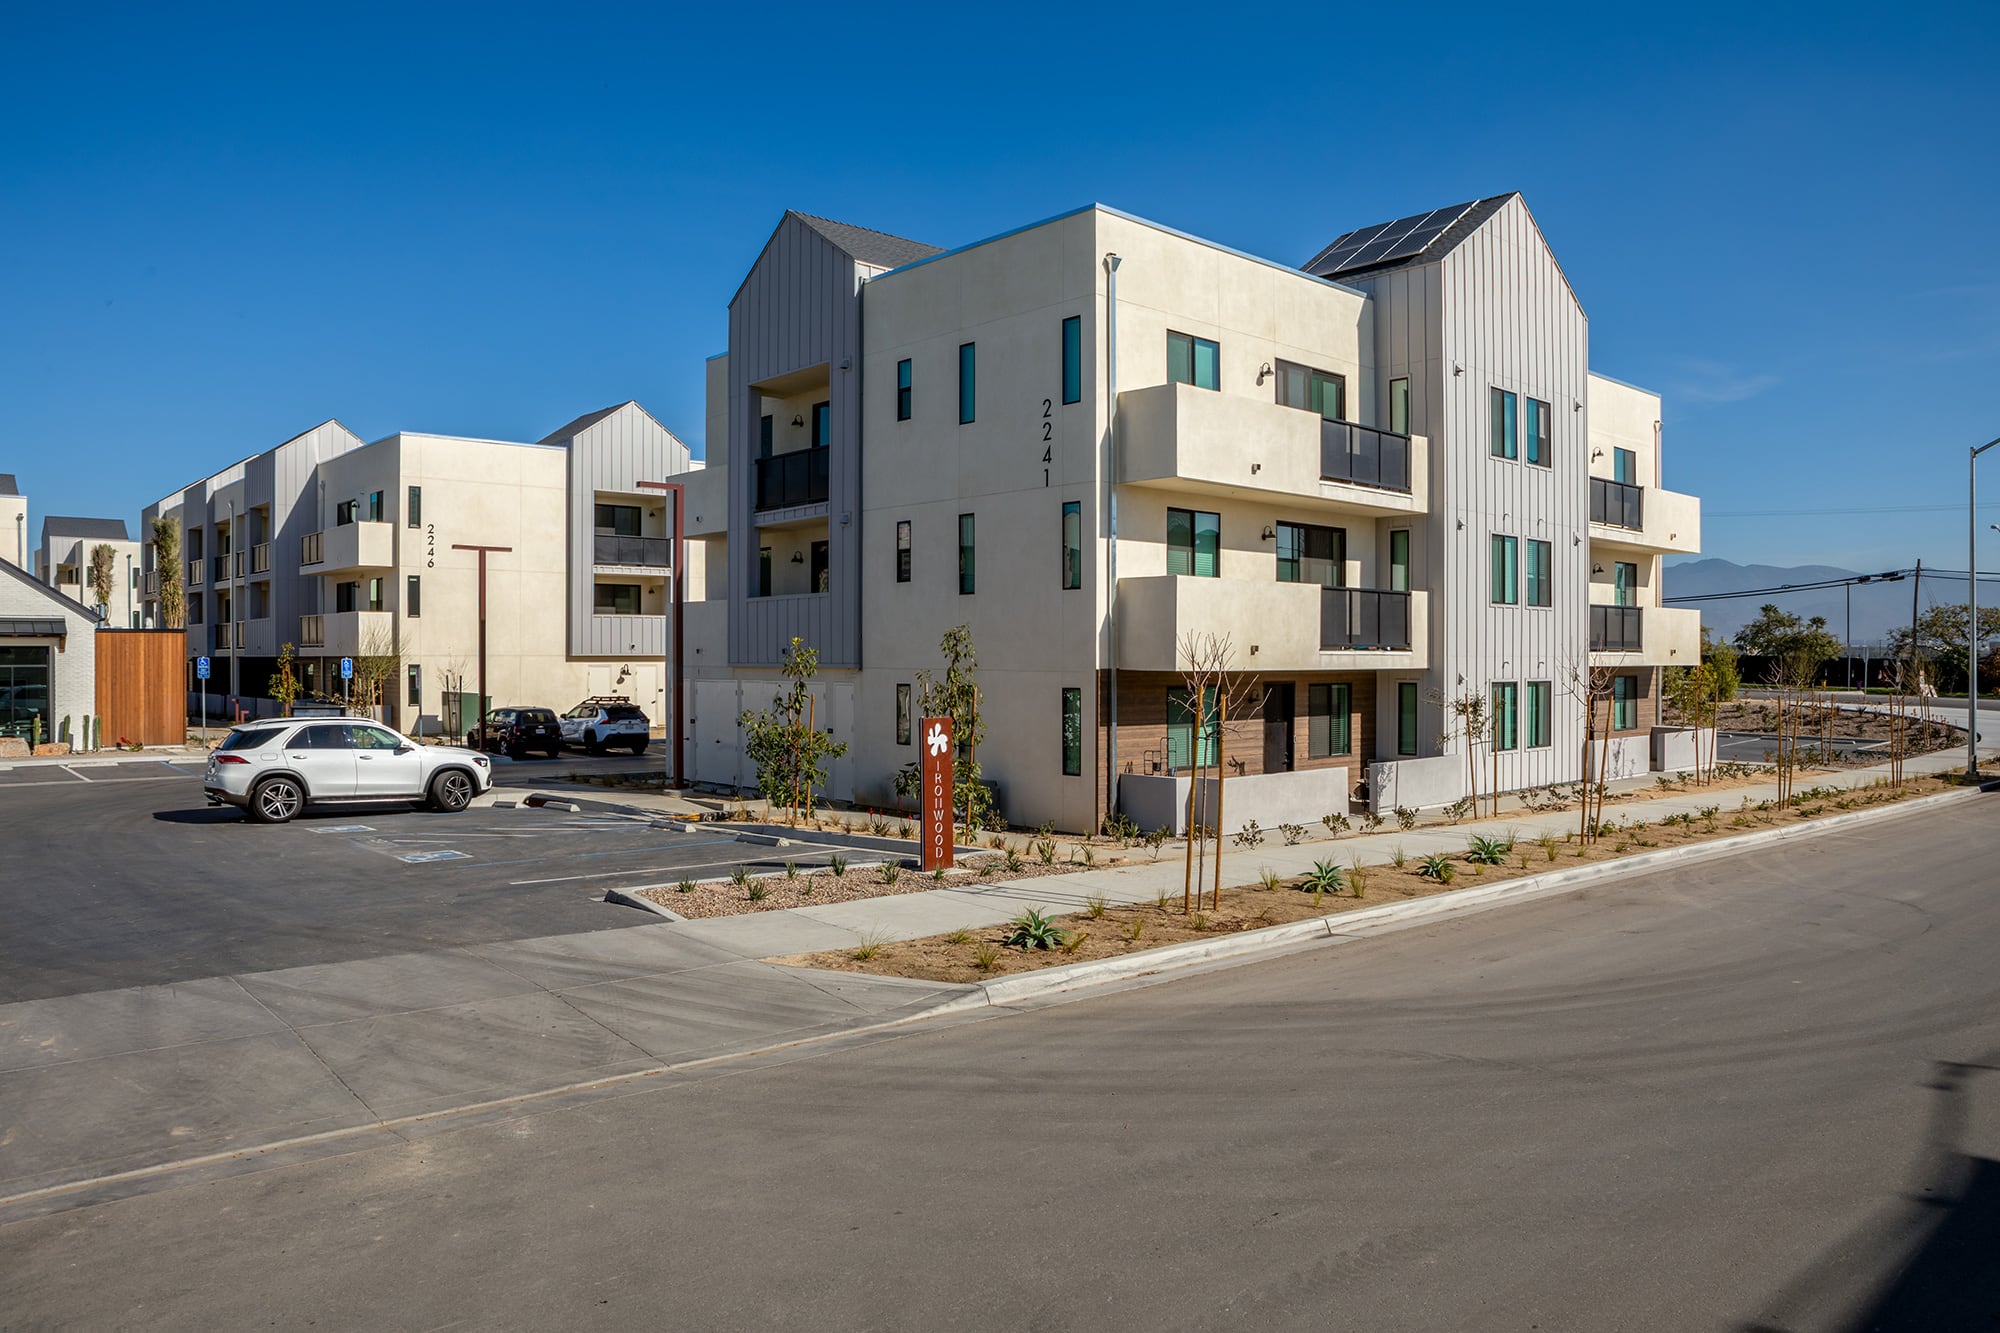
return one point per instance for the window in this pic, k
(1624, 583)
(1399, 406)
(1506, 590)
(1312, 390)
(1540, 701)
(1072, 731)
(1312, 554)
(1181, 739)
(413, 596)
(1195, 361)
(416, 506)
(1072, 359)
(1625, 466)
(822, 425)
(374, 506)
(1329, 720)
(1504, 442)
(1406, 717)
(195, 599)
(617, 520)
(416, 685)
(1541, 425)
(763, 571)
(965, 566)
(764, 437)
(903, 550)
(1072, 544)
(902, 715)
(903, 389)
(820, 575)
(344, 595)
(375, 595)
(1194, 543)
(319, 738)
(617, 599)
(24, 690)
(968, 382)
(1506, 715)
(1624, 703)
(372, 738)
(1399, 560)
(343, 514)
(1541, 579)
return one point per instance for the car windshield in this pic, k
(246, 738)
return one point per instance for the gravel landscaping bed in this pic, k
(770, 890)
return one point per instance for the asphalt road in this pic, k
(123, 875)
(1755, 1093)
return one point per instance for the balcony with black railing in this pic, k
(1617, 504)
(1363, 455)
(1617, 629)
(646, 552)
(800, 477)
(1360, 619)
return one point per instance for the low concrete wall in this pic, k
(1675, 749)
(1153, 800)
(1417, 783)
(1630, 757)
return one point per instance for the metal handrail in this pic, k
(1617, 629)
(800, 477)
(1364, 618)
(1364, 455)
(653, 552)
(1617, 504)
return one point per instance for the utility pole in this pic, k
(676, 575)
(482, 619)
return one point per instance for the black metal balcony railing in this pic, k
(220, 635)
(312, 548)
(1351, 618)
(653, 552)
(1349, 451)
(1616, 629)
(1617, 503)
(796, 478)
(196, 569)
(260, 558)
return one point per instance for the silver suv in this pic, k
(274, 769)
(597, 724)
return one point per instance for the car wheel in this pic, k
(639, 747)
(276, 801)
(451, 791)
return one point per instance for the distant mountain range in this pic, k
(1879, 608)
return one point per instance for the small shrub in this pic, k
(1547, 842)
(937, 876)
(1397, 857)
(1200, 921)
(1338, 825)
(995, 842)
(1249, 835)
(1089, 853)
(740, 877)
(906, 829)
(984, 957)
(791, 870)
(1121, 829)
(1406, 818)
(1293, 834)
(1458, 809)
(1012, 860)
(959, 936)
(878, 826)
(1135, 928)
(1438, 868)
(838, 865)
(1268, 877)
(757, 891)
(1324, 877)
(1161, 902)
(889, 872)
(871, 944)
(1370, 821)
(1046, 849)
(1486, 852)
(1157, 839)
(685, 886)
(1074, 941)
(1357, 876)
(1032, 930)
(1094, 906)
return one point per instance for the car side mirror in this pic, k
(406, 749)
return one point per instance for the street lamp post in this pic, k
(1972, 606)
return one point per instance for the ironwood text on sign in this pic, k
(937, 752)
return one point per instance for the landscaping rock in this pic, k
(13, 747)
(51, 750)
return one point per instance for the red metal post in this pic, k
(482, 624)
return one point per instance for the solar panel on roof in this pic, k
(1402, 239)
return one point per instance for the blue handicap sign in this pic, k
(347, 668)
(201, 668)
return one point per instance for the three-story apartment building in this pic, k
(1091, 438)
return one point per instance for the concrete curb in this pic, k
(1249, 945)
(539, 801)
(632, 899)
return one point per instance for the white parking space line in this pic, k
(418, 858)
(73, 773)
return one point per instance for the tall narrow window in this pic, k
(1196, 361)
(1624, 703)
(1624, 583)
(1188, 744)
(763, 571)
(343, 514)
(1194, 543)
(413, 596)
(1504, 442)
(1072, 544)
(1406, 717)
(1072, 359)
(416, 685)
(345, 595)
(374, 506)
(965, 566)
(1625, 466)
(1540, 712)
(902, 715)
(1399, 406)
(1506, 715)
(1399, 560)
(903, 550)
(819, 574)
(1502, 555)
(1541, 582)
(968, 375)
(1072, 731)
(1329, 720)
(1308, 553)
(764, 437)
(1541, 428)
(822, 425)
(416, 506)
(903, 390)
(374, 594)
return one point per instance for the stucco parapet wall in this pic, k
(1670, 525)
(707, 496)
(1669, 636)
(360, 545)
(1177, 436)
(1271, 626)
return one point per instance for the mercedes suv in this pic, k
(276, 768)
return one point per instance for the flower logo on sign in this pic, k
(934, 740)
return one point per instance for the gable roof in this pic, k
(877, 249)
(15, 572)
(568, 432)
(1462, 219)
(8, 486)
(92, 529)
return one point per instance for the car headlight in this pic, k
(480, 760)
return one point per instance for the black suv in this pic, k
(519, 730)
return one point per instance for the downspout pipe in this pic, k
(1111, 262)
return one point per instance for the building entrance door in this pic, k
(1278, 715)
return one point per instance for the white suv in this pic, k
(273, 769)
(597, 724)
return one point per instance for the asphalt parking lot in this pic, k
(122, 875)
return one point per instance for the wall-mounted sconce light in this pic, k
(798, 420)
(1457, 369)
(1270, 533)
(1597, 569)
(1265, 372)
(1255, 468)
(1575, 405)
(1253, 650)
(1461, 525)
(624, 674)
(1596, 454)
(798, 557)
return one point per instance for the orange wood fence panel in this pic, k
(142, 685)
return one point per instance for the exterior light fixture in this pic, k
(798, 557)
(798, 420)
(1264, 372)
(1270, 533)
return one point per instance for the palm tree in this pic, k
(167, 556)
(103, 569)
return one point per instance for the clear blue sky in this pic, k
(222, 226)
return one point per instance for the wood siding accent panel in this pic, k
(142, 686)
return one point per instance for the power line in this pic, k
(1887, 576)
